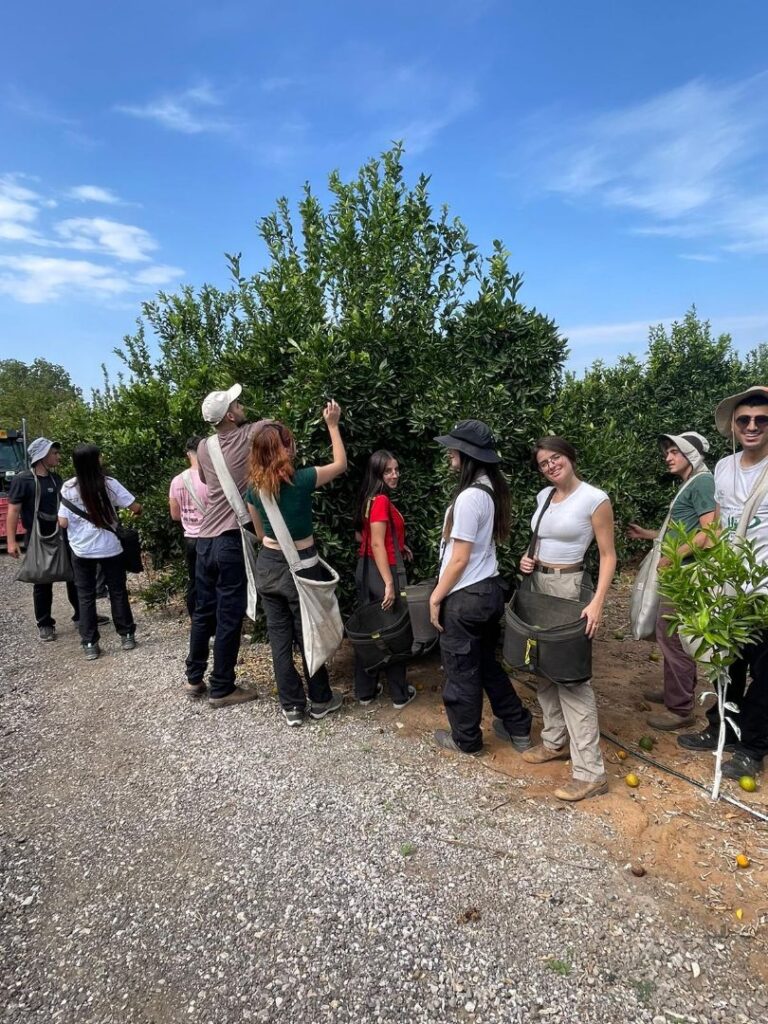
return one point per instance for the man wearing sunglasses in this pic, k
(744, 419)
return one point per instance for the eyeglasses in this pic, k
(742, 422)
(553, 460)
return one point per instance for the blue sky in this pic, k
(619, 150)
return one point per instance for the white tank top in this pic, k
(566, 527)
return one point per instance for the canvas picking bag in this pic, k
(248, 538)
(321, 627)
(47, 559)
(644, 602)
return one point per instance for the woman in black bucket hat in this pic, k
(468, 601)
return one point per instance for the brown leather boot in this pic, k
(654, 696)
(667, 721)
(194, 691)
(539, 754)
(238, 696)
(578, 790)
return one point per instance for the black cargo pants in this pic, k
(470, 620)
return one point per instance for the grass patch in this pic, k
(645, 990)
(562, 967)
(407, 849)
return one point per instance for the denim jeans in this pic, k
(222, 598)
(86, 570)
(470, 620)
(280, 601)
(365, 682)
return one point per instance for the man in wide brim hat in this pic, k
(743, 418)
(724, 413)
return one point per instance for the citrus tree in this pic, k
(719, 609)
(374, 297)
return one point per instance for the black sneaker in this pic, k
(128, 643)
(293, 716)
(370, 700)
(704, 740)
(741, 764)
(47, 633)
(399, 705)
(520, 743)
(321, 710)
(444, 740)
(91, 651)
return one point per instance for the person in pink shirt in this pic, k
(187, 500)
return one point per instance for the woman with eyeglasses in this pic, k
(380, 525)
(570, 513)
(272, 469)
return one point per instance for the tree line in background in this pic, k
(382, 302)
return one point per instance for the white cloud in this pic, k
(93, 194)
(19, 209)
(125, 251)
(684, 161)
(38, 279)
(97, 234)
(187, 112)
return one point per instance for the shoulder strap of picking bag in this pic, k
(531, 552)
(186, 479)
(281, 531)
(756, 495)
(228, 485)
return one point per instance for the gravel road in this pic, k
(163, 862)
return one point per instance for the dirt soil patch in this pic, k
(665, 826)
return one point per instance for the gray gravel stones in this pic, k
(164, 862)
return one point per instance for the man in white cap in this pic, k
(220, 577)
(44, 457)
(693, 507)
(744, 419)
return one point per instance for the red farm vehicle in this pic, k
(13, 459)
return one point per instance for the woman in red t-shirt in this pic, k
(376, 572)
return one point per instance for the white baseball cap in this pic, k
(216, 404)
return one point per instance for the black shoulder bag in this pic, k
(128, 537)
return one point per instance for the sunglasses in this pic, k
(742, 422)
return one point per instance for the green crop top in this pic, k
(294, 501)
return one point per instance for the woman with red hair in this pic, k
(272, 470)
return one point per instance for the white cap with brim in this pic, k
(725, 410)
(216, 405)
(692, 445)
(39, 448)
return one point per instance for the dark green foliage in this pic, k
(41, 392)
(377, 301)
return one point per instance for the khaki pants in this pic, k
(569, 711)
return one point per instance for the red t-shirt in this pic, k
(380, 510)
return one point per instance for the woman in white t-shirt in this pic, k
(467, 603)
(576, 514)
(87, 513)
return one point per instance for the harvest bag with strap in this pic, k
(186, 479)
(545, 634)
(382, 636)
(644, 604)
(321, 626)
(249, 540)
(129, 538)
(47, 559)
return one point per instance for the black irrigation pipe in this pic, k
(670, 771)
